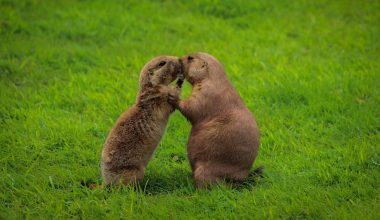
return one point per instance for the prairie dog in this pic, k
(224, 139)
(137, 132)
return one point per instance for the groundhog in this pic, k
(137, 132)
(224, 139)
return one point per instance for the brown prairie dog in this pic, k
(137, 132)
(224, 139)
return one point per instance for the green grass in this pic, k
(308, 70)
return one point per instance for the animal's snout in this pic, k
(180, 63)
(180, 68)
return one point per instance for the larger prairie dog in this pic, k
(224, 139)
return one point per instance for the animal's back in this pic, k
(230, 138)
(132, 141)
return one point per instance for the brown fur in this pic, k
(224, 139)
(137, 132)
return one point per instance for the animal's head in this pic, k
(200, 66)
(160, 70)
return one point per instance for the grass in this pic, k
(308, 70)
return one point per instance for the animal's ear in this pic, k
(153, 79)
(146, 83)
(204, 65)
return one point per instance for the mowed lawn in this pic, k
(308, 70)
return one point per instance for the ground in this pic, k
(308, 70)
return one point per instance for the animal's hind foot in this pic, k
(123, 177)
(203, 178)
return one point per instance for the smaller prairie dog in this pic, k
(136, 134)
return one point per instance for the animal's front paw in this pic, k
(173, 96)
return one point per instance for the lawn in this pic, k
(308, 70)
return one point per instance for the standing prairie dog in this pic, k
(137, 132)
(224, 139)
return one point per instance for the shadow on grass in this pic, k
(252, 180)
(154, 182)
(178, 181)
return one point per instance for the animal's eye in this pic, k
(162, 63)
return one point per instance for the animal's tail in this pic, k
(258, 171)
